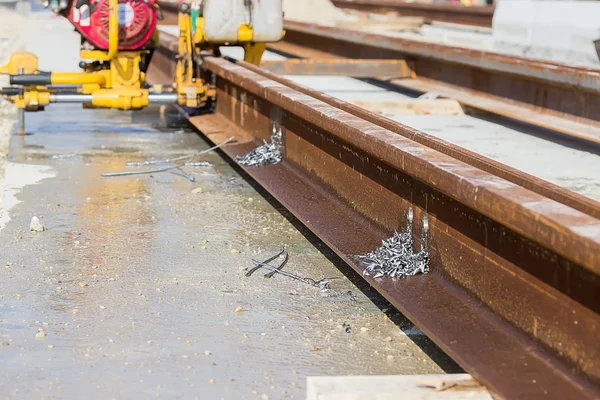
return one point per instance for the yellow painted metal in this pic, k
(121, 98)
(245, 33)
(119, 83)
(27, 61)
(78, 78)
(113, 29)
(33, 100)
(89, 88)
(125, 70)
(191, 95)
(199, 34)
(184, 72)
(113, 37)
(191, 90)
(253, 52)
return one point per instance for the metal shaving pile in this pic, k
(268, 153)
(395, 258)
(198, 164)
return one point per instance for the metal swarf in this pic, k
(396, 258)
(323, 284)
(268, 153)
(190, 162)
(190, 158)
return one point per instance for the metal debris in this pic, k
(323, 284)
(396, 258)
(286, 255)
(258, 264)
(145, 171)
(268, 153)
(180, 172)
(198, 164)
(169, 167)
(64, 156)
(173, 160)
(347, 327)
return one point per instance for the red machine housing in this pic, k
(137, 22)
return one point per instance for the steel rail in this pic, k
(162, 67)
(512, 271)
(477, 15)
(530, 182)
(513, 295)
(168, 12)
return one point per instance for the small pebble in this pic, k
(390, 357)
(197, 190)
(50, 346)
(264, 397)
(211, 381)
(364, 329)
(207, 353)
(238, 310)
(388, 339)
(36, 225)
(40, 335)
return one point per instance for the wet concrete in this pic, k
(136, 281)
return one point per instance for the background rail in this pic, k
(477, 16)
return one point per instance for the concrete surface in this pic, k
(136, 280)
(550, 29)
(405, 387)
(137, 288)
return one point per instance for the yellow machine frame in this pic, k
(121, 85)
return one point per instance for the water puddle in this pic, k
(16, 177)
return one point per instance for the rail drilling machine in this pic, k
(118, 38)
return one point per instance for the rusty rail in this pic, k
(513, 295)
(477, 16)
(168, 13)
